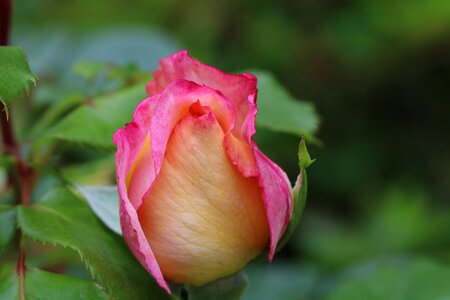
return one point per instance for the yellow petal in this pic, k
(202, 218)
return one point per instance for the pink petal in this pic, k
(175, 103)
(277, 197)
(239, 89)
(129, 141)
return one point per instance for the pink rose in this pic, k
(198, 199)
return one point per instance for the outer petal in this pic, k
(130, 141)
(276, 195)
(202, 218)
(239, 89)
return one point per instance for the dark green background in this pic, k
(377, 221)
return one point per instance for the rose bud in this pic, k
(198, 199)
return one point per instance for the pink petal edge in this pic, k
(131, 228)
(235, 87)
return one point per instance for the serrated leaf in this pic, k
(41, 285)
(94, 124)
(228, 288)
(416, 280)
(15, 74)
(7, 224)
(279, 111)
(61, 218)
(104, 202)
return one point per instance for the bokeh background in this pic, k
(377, 220)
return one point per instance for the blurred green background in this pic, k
(377, 220)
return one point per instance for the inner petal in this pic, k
(202, 218)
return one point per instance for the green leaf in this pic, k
(7, 224)
(55, 111)
(9, 287)
(228, 288)
(416, 280)
(61, 218)
(41, 285)
(15, 74)
(95, 123)
(48, 286)
(104, 202)
(280, 112)
(299, 193)
(303, 156)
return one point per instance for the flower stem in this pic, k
(12, 148)
(5, 21)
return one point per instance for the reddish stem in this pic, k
(11, 146)
(5, 21)
(20, 270)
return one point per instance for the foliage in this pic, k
(15, 74)
(376, 223)
(60, 218)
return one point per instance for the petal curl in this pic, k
(174, 103)
(240, 89)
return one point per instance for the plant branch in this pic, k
(5, 21)
(21, 269)
(12, 148)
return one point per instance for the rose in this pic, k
(198, 199)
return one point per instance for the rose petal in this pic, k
(174, 104)
(133, 157)
(202, 218)
(129, 141)
(276, 196)
(239, 89)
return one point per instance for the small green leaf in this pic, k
(104, 202)
(278, 111)
(15, 74)
(7, 224)
(228, 288)
(303, 156)
(61, 218)
(95, 123)
(41, 285)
